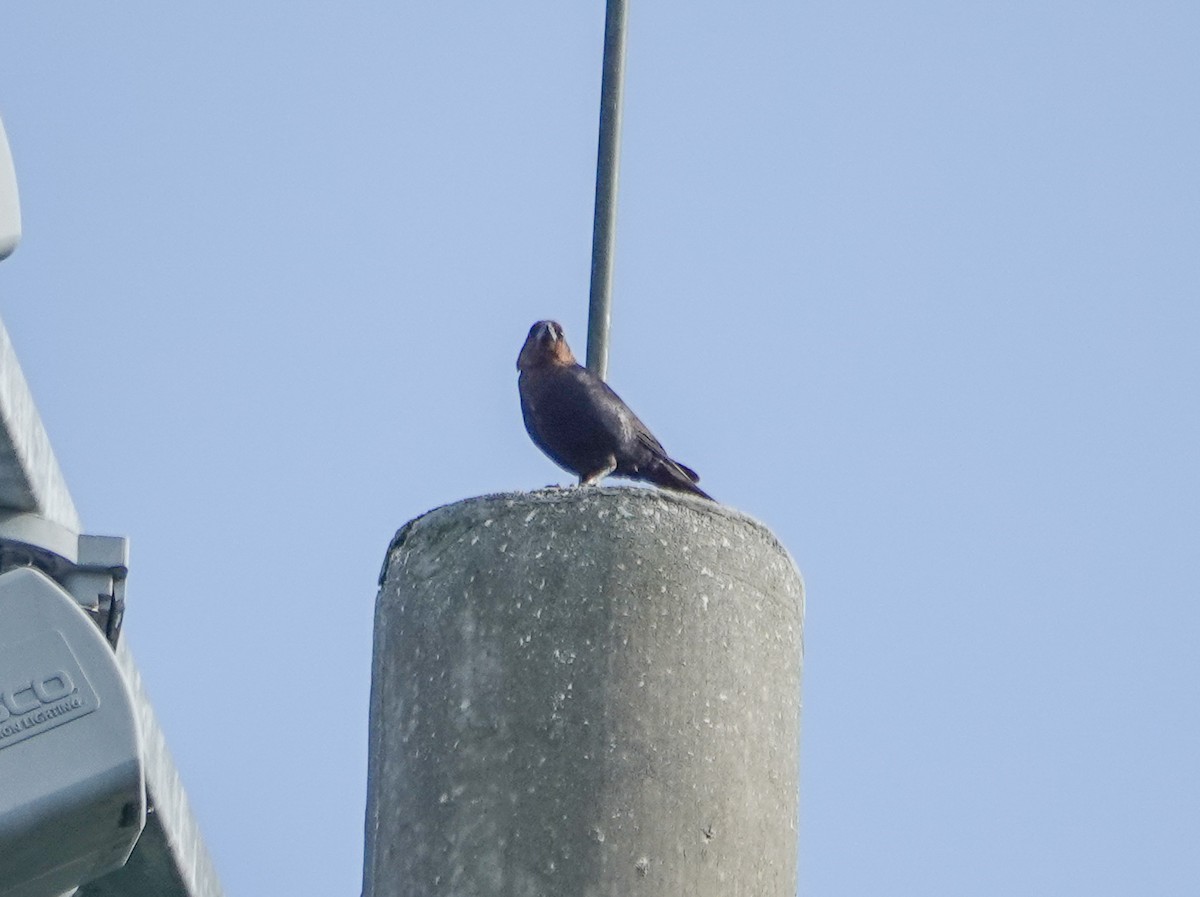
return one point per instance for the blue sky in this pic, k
(917, 286)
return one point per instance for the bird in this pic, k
(582, 425)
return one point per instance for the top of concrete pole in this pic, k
(672, 513)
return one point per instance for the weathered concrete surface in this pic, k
(589, 692)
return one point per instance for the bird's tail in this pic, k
(672, 475)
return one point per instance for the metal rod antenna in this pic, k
(608, 161)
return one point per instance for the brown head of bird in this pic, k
(545, 346)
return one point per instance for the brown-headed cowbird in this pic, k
(575, 418)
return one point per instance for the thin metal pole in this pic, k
(608, 160)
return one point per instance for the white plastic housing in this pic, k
(10, 208)
(72, 795)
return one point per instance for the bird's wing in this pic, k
(601, 405)
(620, 414)
(646, 438)
(570, 409)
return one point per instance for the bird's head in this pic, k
(545, 346)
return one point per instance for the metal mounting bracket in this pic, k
(93, 569)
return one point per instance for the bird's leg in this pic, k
(610, 464)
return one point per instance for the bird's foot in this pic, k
(592, 479)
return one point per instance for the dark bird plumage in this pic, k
(575, 418)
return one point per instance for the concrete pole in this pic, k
(591, 692)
